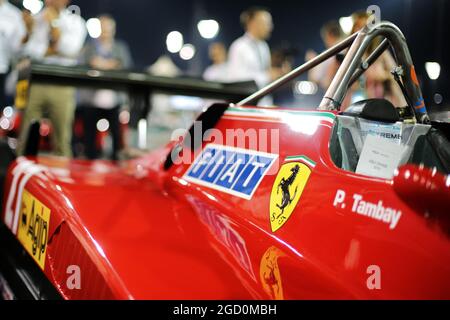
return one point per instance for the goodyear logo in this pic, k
(33, 227)
(288, 188)
(231, 170)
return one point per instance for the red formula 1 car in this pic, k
(326, 204)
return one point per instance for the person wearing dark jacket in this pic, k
(103, 53)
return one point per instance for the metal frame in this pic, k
(352, 67)
(299, 70)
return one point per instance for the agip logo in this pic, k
(33, 227)
(288, 188)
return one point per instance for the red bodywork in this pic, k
(138, 231)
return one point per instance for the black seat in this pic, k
(373, 109)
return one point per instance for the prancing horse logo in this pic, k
(284, 185)
(287, 190)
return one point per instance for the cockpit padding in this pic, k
(373, 109)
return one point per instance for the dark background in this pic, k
(144, 24)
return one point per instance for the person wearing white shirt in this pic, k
(12, 30)
(249, 55)
(218, 71)
(56, 37)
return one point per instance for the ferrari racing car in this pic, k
(343, 202)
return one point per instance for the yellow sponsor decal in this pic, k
(21, 94)
(270, 274)
(288, 188)
(33, 227)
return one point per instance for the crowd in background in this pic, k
(56, 36)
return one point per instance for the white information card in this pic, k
(379, 157)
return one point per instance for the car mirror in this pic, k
(426, 191)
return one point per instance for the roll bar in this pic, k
(299, 70)
(353, 66)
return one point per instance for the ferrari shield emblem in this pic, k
(288, 188)
(270, 273)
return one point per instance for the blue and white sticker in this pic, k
(231, 170)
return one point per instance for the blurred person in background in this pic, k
(283, 56)
(378, 80)
(323, 74)
(249, 55)
(218, 70)
(103, 53)
(359, 19)
(56, 36)
(12, 31)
